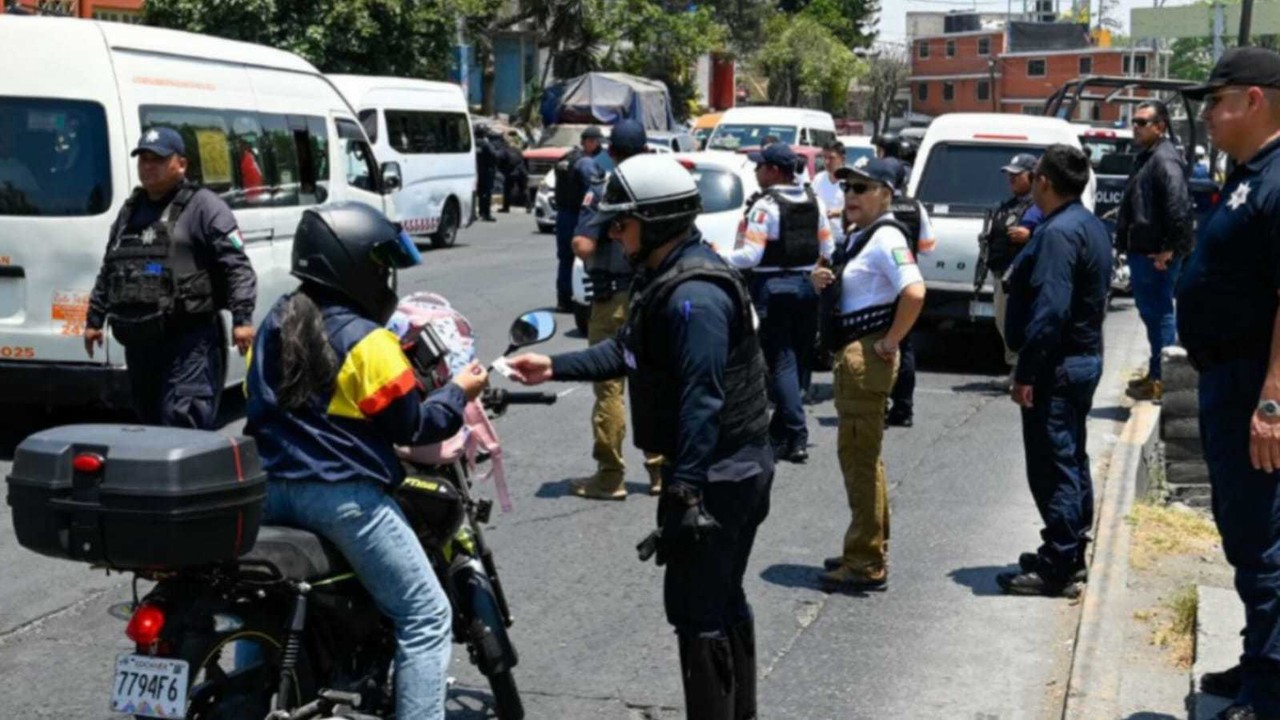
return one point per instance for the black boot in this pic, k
(742, 640)
(706, 666)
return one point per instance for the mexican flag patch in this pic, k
(760, 218)
(236, 238)
(902, 256)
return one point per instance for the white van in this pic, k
(957, 176)
(262, 127)
(749, 126)
(425, 128)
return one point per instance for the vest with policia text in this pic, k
(153, 274)
(655, 386)
(798, 222)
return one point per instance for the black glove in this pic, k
(682, 520)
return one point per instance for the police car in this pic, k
(725, 180)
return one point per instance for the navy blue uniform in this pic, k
(1227, 303)
(486, 173)
(587, 175)
(703, 588)
(179, 382)
(1057, 302)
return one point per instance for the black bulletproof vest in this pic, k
(798, 223)
(833, 330)
(655, 385)
(907, 211)
(154, 275)
(1000, 249)
(569, 190)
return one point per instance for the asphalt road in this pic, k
(593, 643)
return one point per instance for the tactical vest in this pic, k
(153, 275)
(607, 270)
(907, 211)
(569, 190)
(655, 387)
(836, 328)
(1000, 249)
(798, 223)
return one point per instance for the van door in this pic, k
(356, 174)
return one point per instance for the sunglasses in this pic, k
(858, 188)
(1141, 122)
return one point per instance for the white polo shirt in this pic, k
(879, 274)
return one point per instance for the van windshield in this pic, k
(53, 158)
(732, 137)
(965, 178)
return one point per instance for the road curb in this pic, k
(1093, 690)
(1219, 617)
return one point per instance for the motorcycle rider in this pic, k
(697, 377)
(330, 393)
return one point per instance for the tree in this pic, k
(805, 60)
(853, 22)
(409, 38)
(663, 41)
(886, 72)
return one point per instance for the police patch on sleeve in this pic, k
(760, 217)
(236, 238)
(903, 256)
(588, 198)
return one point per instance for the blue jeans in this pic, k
(1246, 508)
(788, 309)
(1054, 438)
(566, 223)
(366, 524)
(1153, 294)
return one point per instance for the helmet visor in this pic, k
(399, 252)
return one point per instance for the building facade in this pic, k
(112, 10)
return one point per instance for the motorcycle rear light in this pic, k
(87, 463)
(145, 625)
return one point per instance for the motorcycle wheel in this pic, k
(488, 639)
(506, 697)
(220, 691)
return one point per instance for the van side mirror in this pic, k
(392, 180)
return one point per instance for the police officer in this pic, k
(608, 281)
(175, 258)
(515, 176)
(1227, 312)
(698, 397)
(486, 172)
(1057, 302)
(786, 233)
(576, 173)
(913, 215)
(1010, 229)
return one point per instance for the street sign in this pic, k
(1197, 20)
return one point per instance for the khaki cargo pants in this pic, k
(609, 416)
(862, 381)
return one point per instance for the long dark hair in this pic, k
(308, 364)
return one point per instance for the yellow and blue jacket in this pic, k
(348, 432)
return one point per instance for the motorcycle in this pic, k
(287, 631)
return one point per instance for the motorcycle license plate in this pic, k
(979, 309)
(150, 686)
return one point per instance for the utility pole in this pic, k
(1219, 28)
(1246, 21)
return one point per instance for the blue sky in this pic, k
(893, 12)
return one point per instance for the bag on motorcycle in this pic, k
(132, 497)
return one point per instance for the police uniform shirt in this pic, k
(608, 255)
(763, 225)
(213, 229)
(1227, 292)
(880, 272)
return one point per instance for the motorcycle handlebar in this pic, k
(500, 398)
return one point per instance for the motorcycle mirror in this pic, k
(532, 328)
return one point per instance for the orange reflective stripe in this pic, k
(389, 393)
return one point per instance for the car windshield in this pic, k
(732, 137)
(721, 190)
(853, 153)
(965, 178)
(1109, 155)
(53, 157)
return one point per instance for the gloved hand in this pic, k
(682, 519)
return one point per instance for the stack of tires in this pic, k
(1186, 475)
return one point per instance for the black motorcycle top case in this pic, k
(163, 498)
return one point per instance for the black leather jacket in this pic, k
(1156, 210)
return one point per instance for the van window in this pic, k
(54, 158)
(732, 137)
(251, 159)
(415, 132)
(369, 119)
(821, 138)
(362, 169)
(720, 190)
(853, 153)
(967, 178)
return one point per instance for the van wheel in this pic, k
(447, 234)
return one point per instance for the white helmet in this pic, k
(655, 189)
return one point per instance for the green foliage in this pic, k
(1192, 58)
(851, 21)
(664, 45)
(803, 59)
(409, 38)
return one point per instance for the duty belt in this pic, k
(858, 324)
(601, 286)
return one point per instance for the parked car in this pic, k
(425, 127)
(725, 181)
(678, 141)
(263, 128)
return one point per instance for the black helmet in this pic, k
(353, 250)
(890, 144)
(658, 191)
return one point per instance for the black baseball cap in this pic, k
(1021, 163)
(877, 170)
(778, 154)
(1248, 66)
(592, 133)
(628, 136)
(161, 140)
